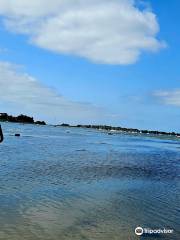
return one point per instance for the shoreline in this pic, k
(111, 130)
(4, 117)
(24, 119)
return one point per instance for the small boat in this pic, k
(110, 133)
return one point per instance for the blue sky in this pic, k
(131, 81)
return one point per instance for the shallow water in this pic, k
(79, 184)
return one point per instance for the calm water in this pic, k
(76, 184)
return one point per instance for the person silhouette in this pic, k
(1, 135)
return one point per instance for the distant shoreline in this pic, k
(4, 117)
(112, 130)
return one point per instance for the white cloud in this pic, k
(103, 31)
(19, 92)
(169, 97)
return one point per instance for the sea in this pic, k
(60, 183)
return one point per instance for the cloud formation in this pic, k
(103, 31)
(169, 97)
(26, 94)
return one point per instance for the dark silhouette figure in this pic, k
(1, 135)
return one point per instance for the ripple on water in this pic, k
(86, 185)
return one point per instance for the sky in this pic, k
(92, 61)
